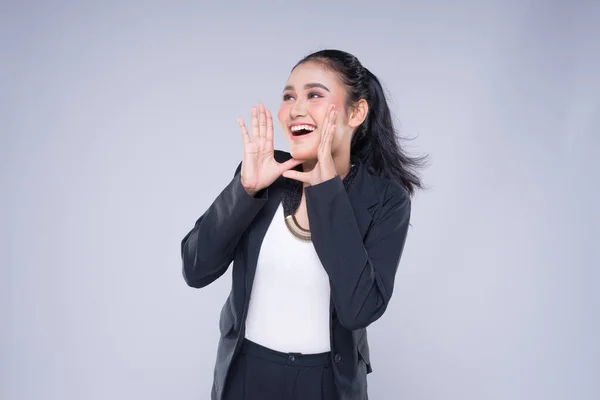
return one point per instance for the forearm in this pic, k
(361, 272)
(207, 250)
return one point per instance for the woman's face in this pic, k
(309, 91)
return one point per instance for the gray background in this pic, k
(118, 124)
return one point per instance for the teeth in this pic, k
(297, 128)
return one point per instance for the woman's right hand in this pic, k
(259, 167)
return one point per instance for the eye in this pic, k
(314, 95)
(287, 97)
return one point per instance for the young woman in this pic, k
(315, 236)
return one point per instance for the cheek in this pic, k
(321, 109)
(343, 134)
(317, 112)
(282, 116)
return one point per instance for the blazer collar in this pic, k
(362, 192)
(363, 187)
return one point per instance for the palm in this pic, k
(259, 167)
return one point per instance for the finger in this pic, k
(245, 135)
(329, 139)
(328, 132)
(296, 175)
(332, 116)
(269, 125)
(329, 120)
(254, 122)
(262, 121)
(331, 133)
(325, 126)
(289, 164)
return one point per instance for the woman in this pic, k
(315, 237)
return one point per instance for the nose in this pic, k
(298, 109)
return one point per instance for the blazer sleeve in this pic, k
(208, 249)
(361, 273)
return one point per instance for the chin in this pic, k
(304, 153)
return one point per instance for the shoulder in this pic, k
(392, 196)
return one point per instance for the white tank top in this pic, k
(289, 303)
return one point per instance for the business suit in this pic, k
(359, 236)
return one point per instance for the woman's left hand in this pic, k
(324, 169)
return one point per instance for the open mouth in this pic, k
(302, 130)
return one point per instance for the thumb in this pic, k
(289, 164)
(297, 175)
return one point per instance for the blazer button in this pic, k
(337, 358)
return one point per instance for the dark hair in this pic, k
(375, 141)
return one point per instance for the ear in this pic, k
(358, 113)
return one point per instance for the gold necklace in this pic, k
(296, 230)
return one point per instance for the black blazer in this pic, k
(358, 235)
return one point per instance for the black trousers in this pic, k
(259, 373)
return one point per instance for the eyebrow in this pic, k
(308, 86)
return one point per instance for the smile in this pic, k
(301, 129)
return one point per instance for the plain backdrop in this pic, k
(118, 130)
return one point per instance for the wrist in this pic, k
(251, 192)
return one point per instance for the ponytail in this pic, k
(375, 143)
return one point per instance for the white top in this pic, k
(289, 304)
